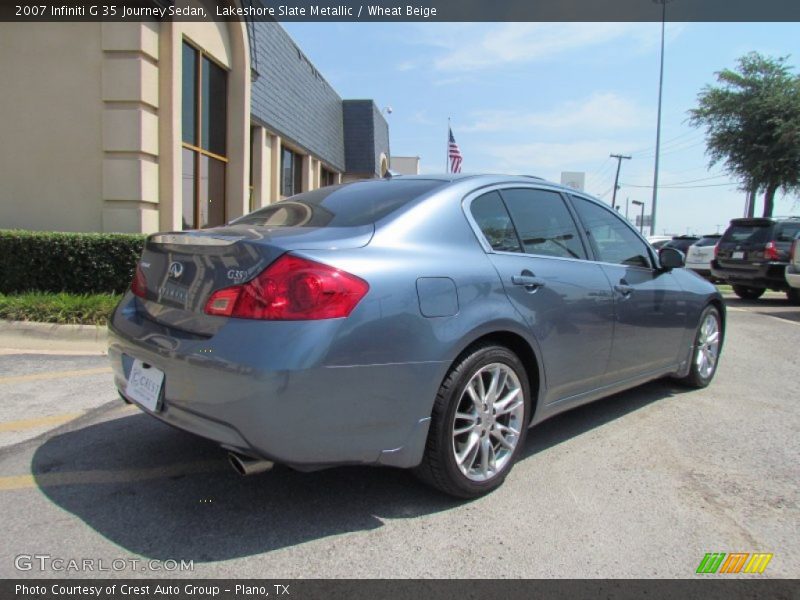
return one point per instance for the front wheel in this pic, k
(748, 293)
(707, 346)
(478, 424)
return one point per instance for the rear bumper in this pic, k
(257, 394)
(793, 276)
(768, 275)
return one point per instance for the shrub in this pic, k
(77, 263)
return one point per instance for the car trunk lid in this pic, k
(182, 269)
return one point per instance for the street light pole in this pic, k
(641, 219)
(663, 4)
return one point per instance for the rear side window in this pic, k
(492, 217)
(756, 234)
(543, 222)
(613, 240)
(786, 232)
(707, 241)
(350, 205)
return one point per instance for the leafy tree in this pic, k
(752, 123)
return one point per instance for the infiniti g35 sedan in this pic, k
(423, 322)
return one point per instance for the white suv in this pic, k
(701, 253)
(793, 272)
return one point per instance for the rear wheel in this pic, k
(793, 295)
(478, 424)
(707, 346)
(748, 293)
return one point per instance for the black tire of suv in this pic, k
(748, 293)
(438, 467)
(793, 296)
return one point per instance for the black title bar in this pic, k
(407, 10)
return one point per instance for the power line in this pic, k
(683, 187)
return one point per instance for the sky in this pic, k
(542, 98)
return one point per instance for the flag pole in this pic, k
(447, 149)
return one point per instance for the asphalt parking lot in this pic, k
(642, 484)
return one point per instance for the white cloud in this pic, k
(600, 111)
(520, 43)
(471, 47)
(545, 159)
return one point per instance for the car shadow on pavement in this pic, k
(165, 494)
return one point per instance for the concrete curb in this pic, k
(49, 337)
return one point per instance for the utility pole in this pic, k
(619, 158)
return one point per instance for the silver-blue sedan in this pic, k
(420, 322)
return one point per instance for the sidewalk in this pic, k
(50, 338)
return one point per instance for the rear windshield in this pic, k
(786, 232)
(708, 241)
(757, 234)
(350, 205)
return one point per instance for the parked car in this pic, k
(422, 322)
(753, 254)
(682, 242)
(701, 253)
(657, 241)
(793, 272)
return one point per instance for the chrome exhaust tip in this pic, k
(247, 465)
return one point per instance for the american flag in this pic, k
(454, 154)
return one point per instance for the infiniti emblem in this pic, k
(175, 270)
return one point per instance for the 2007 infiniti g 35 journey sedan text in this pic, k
(422, 322)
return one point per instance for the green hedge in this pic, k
(77, 263)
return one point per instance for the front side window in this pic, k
(613, 241)
(204, 133)
(543, 222)
(492, 218)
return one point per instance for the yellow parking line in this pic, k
(22, 482)
(38, 422)
(53, 375)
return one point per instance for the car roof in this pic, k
(489, 179)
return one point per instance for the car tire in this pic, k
(707, 346)
(748, 293)
(793, 296)
(464, 455)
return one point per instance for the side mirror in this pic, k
(670, 258)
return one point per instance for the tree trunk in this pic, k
(751, 203)
(769, 199)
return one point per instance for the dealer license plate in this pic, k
(144, 385)
(737, 255)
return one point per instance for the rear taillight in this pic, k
(794, 250)
(291, 289)
(139, 283)
(716, 250)
(771, 251)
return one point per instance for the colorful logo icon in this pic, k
(735, 562)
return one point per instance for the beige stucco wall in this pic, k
(51, 126)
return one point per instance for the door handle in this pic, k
(624, 289)
(529, 282)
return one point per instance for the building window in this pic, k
(204, 134)
(291, 172)
(326, 177)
